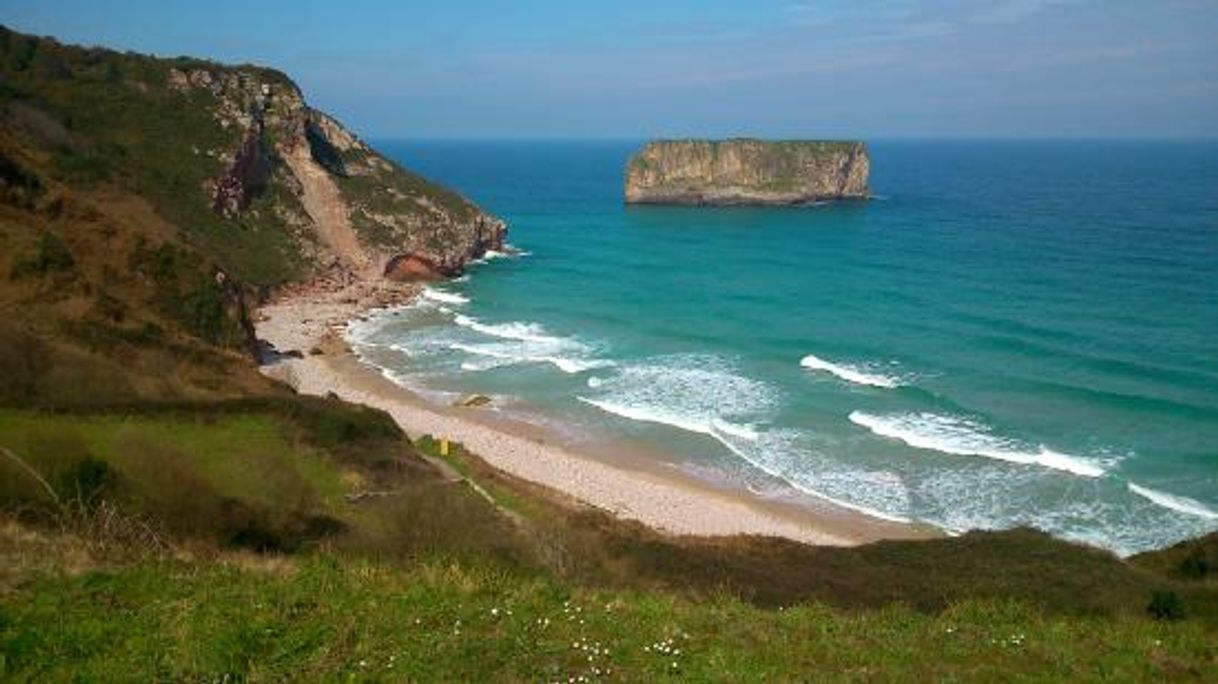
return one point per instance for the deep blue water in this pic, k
(1011, 333)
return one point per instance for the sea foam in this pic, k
(444, 296)
(849, 373)
(961, 437)
(508, 354)
(695, 393)
(1175, 502)
(509, 252)
(526, 343)
(513, 330)
(704, 395)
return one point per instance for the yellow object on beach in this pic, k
(444, 446)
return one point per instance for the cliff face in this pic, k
(355, 212)
(745, 171)
(235, 158)
(147, 203)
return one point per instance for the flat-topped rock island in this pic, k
(745, 171)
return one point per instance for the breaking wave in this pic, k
(526, 343)
(951, 435)
(444, 296)
(510, 354)
(849, 373)
(695, 393)
(513, 330)
(1175, 502)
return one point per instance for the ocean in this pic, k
(1009, 333)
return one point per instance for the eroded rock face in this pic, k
(247, 175)
(747, 171)
(354, 209)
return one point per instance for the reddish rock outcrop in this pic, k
(418, 267)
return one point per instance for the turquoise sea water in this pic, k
(1010, 333)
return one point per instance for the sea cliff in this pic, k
(349, 208)
(235, 158)
(747, 171)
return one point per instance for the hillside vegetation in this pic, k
(167, 513)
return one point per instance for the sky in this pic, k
(647, 68)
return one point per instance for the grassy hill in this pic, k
(168, 513)
(290, 538)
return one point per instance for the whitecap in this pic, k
(849, 372)
(700, 394)
(484, 364)
(508, 252)
(444, 296)
(745, 432)
(692, 389)
(961, 437)
(509, 354)
(1175, 502)
(874, 493)
(648, 414)
(513, 330)
(722, 431)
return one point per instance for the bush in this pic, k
(164, 484)
(25, 360)
(1166, 605)
(431, 519)
(17, 185)
(51, 255)
(1195, 565)
(60, 461)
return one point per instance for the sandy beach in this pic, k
(304, 329)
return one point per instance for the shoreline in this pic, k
(307, 352)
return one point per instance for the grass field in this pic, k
(429, 581)
(317, 618)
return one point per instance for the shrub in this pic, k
(167, 486)
(1166, 605)
(431, 519)
(25, 360)
(17, 185)
(51, 255)
(1195, 565)
(160, 482)
(60, 461)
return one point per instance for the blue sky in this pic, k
(629, 68)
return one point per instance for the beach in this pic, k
(304, 328)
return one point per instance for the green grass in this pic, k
(266, 474)
(235, 454)
(430, 582)
(325, 620)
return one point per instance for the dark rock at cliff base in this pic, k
(473, 401)
(746, 171)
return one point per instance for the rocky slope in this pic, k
(362, 214)
(238, 160)
(147, 204)
(746, 171)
